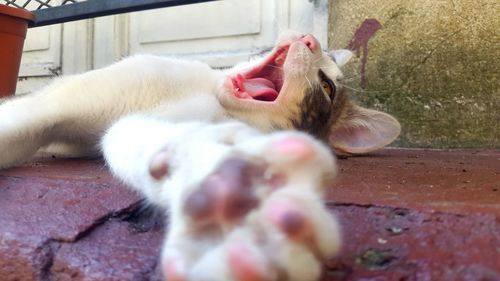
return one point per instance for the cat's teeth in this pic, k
(280, 59)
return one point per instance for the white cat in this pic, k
(243, 206)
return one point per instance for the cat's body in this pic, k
(74, 112)
(181, 164)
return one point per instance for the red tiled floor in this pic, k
(406, 215)
(457, 182)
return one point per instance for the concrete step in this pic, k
(405, 215)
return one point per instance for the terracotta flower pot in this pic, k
(13, 27)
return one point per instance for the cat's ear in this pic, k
(362, 130)
(341, 57)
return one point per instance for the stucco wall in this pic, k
(433, 64)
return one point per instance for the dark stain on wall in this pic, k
(360, 40)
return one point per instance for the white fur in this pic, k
(195, 149)
(151, 105)
(70, 116)
(77, 110)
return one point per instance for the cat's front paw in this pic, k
(258, 215)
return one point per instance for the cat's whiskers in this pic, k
(357, 90)
(348, 79)
(315, 60)
(320, 66)
(309, 82)
(274, 66)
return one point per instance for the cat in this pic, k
(199, 141)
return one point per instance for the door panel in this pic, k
(203, 21)
(221, 33)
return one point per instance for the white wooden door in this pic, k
(41, 57)
(221, 33)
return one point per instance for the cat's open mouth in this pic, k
(264, 82)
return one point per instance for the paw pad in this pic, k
(287, 217)
(158, 167)
(172, 271)
(226, 195)
(244, 265)
(294, 147)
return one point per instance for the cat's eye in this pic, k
(327, 85)
(328, 88)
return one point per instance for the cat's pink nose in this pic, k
(310, 42)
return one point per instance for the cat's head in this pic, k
(299, 86)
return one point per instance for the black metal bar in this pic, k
(98, 8)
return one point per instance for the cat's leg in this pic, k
(67, 118)
(25, 125)
(241, 204)
(141, 150)
(261, 211)
(36, 122)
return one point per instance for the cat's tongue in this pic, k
(260, 89)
